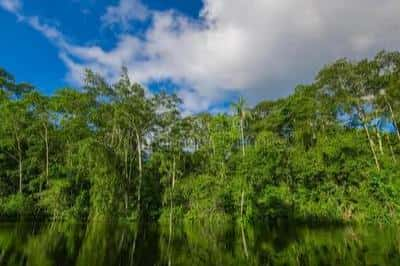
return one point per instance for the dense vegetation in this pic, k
(327, 153)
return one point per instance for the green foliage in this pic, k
(17, 206)
(321, 155)
(203, 199)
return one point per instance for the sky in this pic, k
(207, 51)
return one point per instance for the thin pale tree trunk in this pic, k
(171, 197)
(139, 151)
(243, 154)
(20, 175)
(126, 198)
(378, 134)
(391, 149)
(213, 145)
(244, 241)
(211, 139)
(46, 140)
(393, 118)
(242, 136)
(133, 249)
(171, 205)
(371, 142)
(171, 209)
(371, 145)
(113, 131)
(242, 197)
(19, 164)
(242, 203)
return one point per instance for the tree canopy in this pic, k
(326, 153)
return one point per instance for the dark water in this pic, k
(103, 243)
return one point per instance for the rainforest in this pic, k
(325, 156)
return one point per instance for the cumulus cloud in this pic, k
(259, 48)
(123, 13)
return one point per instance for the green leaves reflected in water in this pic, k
(103, 243)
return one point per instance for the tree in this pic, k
(242, 113)
(14, 133)
(39, 106)
(135, 113)
(349, 85)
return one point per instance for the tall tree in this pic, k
(39, 106)
(136, 113)
(14, 133)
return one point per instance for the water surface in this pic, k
(104, 243)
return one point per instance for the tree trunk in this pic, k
(113, 131)
(46, 140)
(126, 198)
(212, 145)
(242, 136)
(241, 203)
(173, 172)
(19, 165)
(380, 141)
(391, 149)
(393, 118)
(378, 135)
(139, 151)
(371, 145)
(171, 196)
(244, 242)
(242, 194)
(171, 207)
(371, 142)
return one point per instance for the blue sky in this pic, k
(207, 51)
(30, 56)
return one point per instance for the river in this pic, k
(101, 243)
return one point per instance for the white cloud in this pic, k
(258, 48)
(12, 6)
(192, 102)
(123, 13)
(48, 31)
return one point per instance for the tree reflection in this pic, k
(105, 243)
